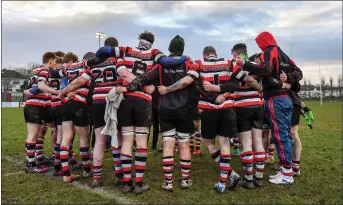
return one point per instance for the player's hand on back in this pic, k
(190, 59)
(57, 92)
(61, 96)
(208, 86)
(27, 92)
(283, 77)
(162, 89)
(71, 95)
(286, 85)
(220, 99)
(121, 89)
(149, 89)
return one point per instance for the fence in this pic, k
(10, 97)
(12, 104)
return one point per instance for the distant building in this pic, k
(315, 93)
(10, 83)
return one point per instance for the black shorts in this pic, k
(196, 114)
(98, 113)
(76, 112)
(56, 115)
(248, 118)
(48, 115)
(181, 123)
(135, 112)
(218, 122)
(34, 114)
(295, 115)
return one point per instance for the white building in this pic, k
(11, 82)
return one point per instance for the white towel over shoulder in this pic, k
(112, 104)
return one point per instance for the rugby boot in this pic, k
(186, 183)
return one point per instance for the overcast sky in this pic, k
(314, 29)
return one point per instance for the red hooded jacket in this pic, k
(274, 62)
(264, 40)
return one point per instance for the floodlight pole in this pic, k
(100, 35)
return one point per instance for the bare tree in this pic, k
(24, 71)
(310, 87)
(32, 65)
(339, 83)
(322, 83)
(305, 87)
(28, 70)
(331, 85)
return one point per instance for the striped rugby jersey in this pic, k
(245, 95)
(216, 71)
(105, 77)
(55, 83)
(41, 99)
(71, 72)
(138, 61)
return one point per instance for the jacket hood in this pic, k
(264, 40)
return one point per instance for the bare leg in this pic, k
(83, 133)
(297, 147)
(98, 154)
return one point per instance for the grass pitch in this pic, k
(320, 181)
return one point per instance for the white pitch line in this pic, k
(13, 173)
(100, 191)
(13, 160)
(104, 193)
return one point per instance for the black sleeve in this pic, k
(146, 79)
(265, 67)
(295, 76)
(260, 69)
(95, 61)
(302, 112)
(272, 82)
(102, 54)
(209, 95)
(152, 76)
(229, 86)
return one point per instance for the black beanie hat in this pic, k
(177, 45)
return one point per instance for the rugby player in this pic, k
(278, 104)
(249, 114)
(174, 112)
(74, 115)
(57, 114)
(36, 113)
(217, 108)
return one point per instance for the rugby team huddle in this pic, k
(244, 99)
